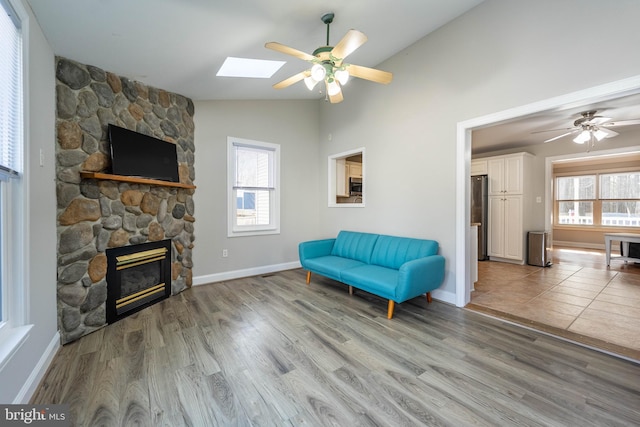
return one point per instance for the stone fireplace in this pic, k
(97, 213)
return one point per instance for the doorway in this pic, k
(605, 92)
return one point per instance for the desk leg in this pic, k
(607, 249)
(625, 250)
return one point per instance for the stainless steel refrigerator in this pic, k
(479, 213)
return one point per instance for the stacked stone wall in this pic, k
(94, 215)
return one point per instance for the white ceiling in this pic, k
(179, 45)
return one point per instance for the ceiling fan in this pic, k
(328, 65)
(591, 127)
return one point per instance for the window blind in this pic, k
(254, 167)
(10, 93)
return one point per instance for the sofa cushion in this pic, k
(331, 266)
(392, 252)
(353, 245)
(377, 280)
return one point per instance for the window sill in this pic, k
(11, 340)
(247, 233)
(596, 228)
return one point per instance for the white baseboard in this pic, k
(29, 387)
(444, 296)
(248, 272)
(579, 245)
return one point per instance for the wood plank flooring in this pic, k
(271, 351)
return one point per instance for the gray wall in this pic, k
(20, 375)
(293, 125)
(500, 55)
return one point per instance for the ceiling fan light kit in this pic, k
(328, 65)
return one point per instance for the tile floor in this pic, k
(577, 297)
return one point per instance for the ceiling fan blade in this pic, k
(334, 99)
(552, 130)
(291, 80)
(349, 43)
(371, 74)
(598, 120)
(621, 123)
(609, 132)
(289, 51)
(561, 136)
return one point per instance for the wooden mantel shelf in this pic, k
(134, 180)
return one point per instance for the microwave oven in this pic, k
(355, 186)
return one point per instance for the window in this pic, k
(600, 199)
(575, 196)
(253, 187)
(11, 180)
(620, 196)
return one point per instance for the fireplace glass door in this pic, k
(137, 277)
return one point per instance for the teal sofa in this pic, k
(394, 268)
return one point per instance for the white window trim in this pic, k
(331, 173)
(15, 330)
(240, 231)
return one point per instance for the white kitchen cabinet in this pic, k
(354, 170)
(509, 205)
(506, 174)
(342, 178)
(478, 167)
(506, 234)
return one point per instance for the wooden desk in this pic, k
(625, 238)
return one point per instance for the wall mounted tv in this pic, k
(135, 154)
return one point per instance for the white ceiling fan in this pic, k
(328, 65)
(591, 128)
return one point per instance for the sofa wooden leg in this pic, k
(308, 277)
(350, 290)
(429, 297)
(390, 309)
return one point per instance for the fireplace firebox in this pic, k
(137, 276)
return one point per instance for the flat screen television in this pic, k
(135, 154)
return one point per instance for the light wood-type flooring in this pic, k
(271, 351)
(577, 297)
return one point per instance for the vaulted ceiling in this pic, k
(179, 45)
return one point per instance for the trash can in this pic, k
(538, 248)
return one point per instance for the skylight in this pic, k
(251, 68)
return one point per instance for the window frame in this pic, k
(597, 201)
(14, 329)
(233, 228)
(593, 201)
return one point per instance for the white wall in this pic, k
(21, 374)
(293, 125)
(500, 55)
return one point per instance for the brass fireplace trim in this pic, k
(139, 295)
(139, 258)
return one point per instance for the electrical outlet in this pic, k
(225, 253)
